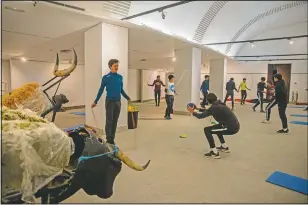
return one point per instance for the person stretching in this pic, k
(114, 86)
(272, 101)
(205, 90)
(230, 87)
(243, 87)
(282, 101)
(228, 124)
(260, 90)
(157, 89)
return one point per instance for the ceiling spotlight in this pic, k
(291, 42)
(163, 14)
(23, 59)
(252, 45)
(173, 59)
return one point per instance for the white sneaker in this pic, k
(266, 122)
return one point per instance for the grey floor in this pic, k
(179, 173)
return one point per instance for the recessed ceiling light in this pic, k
(173, 59)
(291, 42)
(14, 9)
(23, 59)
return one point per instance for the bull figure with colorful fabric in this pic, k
(41, 160)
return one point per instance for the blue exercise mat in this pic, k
(79, 113)
(72, 128)
(299, 122)
(299, 115)
(297, 106)
(288, 181)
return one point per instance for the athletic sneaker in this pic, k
(266, 122)
(223, 149)
(254, 109)
(282, 131)
(167, 118)
(262, 111)
(212, 154)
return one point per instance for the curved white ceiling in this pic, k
(223, 21)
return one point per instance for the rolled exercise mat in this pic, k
(299, 122)
(299, 115)
(78, 113)
(289, 181)
(297, 106)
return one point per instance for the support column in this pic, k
(218, 77)
(187, 78)
(102, 43)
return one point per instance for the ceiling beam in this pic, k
(258, 40)
(160, 9)
(257, 56)
(290, 59)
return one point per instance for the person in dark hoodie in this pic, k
(281, 96)
(114, 86)
(228, 124)
(157, 89)
(260, 90)
(230, 87)
(205, 90)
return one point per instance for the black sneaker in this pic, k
(282, 131)
(262, 111)
(212, 154)
(254, 109)
(223, 149)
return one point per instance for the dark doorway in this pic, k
(284, 70)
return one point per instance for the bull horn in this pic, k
(130, 163)
(67, 71)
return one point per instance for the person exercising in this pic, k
(157, 89)
(230, 87)
(114, 86)
(307, 106)
(228, 124)
(243, 87)
(205, 90)
(260, 90)
(272, 101)
(281, 95)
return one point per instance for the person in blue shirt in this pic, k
(205, 89)
(114, 87)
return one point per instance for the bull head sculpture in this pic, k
(67, 71)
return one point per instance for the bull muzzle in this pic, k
(67, 71)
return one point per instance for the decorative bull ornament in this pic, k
(67, 71)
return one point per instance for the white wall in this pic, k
(72, 86)
(148, 76)
(253, 71)
(134, 84)
(6, 76)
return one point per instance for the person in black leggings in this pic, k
(282, 101)
(260, 90)
(228, 124)
(272, 101)
(306, 107)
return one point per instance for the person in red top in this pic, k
(157, 89)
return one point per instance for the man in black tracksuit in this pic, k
(228, 124)
(260, 90)
(282, 101)
(230, 87)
